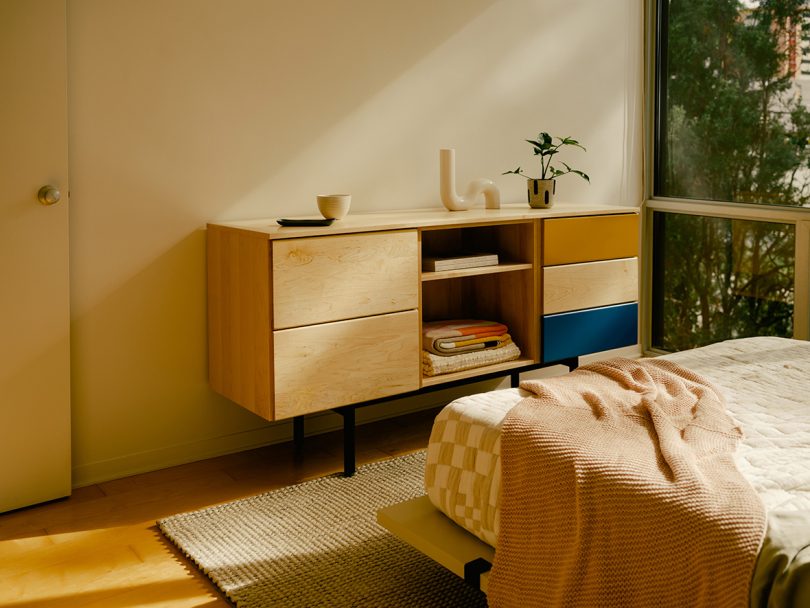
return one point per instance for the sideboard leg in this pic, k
(298, 436)
(348, 441)
(514, 379)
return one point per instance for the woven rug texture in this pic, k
(318, 544)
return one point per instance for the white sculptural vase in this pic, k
(447, 180)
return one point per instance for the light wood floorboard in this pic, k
(101, 546)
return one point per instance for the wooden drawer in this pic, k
(572, 334)
(329, 278)
(334, 364)
(590, 284)
(569, 240)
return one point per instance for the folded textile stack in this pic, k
(452, 346)
(455, 337)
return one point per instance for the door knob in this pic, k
(49, 195)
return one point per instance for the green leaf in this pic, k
(543, 141)
(538, 146)
(545, 148)
(568, 141)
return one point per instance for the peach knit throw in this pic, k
(619, 489)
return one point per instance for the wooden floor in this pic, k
(101, 547)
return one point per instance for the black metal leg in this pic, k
(298, 435)
(348, 441)
(474, 569)
(349, 420)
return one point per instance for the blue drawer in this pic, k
(571, 334)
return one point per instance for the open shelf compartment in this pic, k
(513, 243)
(506, 293)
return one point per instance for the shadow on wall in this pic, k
(140, 369)
(208, 99)
(189, 111)
(173, 118)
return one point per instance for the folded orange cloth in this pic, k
(462, 335)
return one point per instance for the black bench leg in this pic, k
(473, 571)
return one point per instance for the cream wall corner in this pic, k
(187, 111)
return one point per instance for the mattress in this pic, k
(765, 380)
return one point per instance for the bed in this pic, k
(766, 384)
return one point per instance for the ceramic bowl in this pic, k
(334, 206)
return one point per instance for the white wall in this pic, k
(187, 111)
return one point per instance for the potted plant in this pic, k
(541, 189)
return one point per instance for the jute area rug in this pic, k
(318, 544)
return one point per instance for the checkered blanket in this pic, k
(463, 471)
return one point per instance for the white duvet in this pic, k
(765, 380)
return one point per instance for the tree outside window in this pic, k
(732, 126)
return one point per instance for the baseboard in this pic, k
(279, 432)
(164, 457)
(268, 434)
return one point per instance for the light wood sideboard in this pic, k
(305, 319)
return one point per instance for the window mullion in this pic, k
(801, 285)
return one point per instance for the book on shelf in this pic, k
(458, 262)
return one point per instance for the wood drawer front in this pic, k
(330, 278)
(570, 240)
(572, 334)
(590, 284)
(334, 364)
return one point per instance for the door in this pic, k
(34, 315)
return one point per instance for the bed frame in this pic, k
(421, 525)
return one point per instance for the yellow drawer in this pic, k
(326, 366)
(329, 278)
(588, 285)
(570, 240)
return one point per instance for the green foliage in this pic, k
(736, 127)
(545, 147)
(736, 130)
(721, 279)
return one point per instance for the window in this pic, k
(731, 125)
(720, 278)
